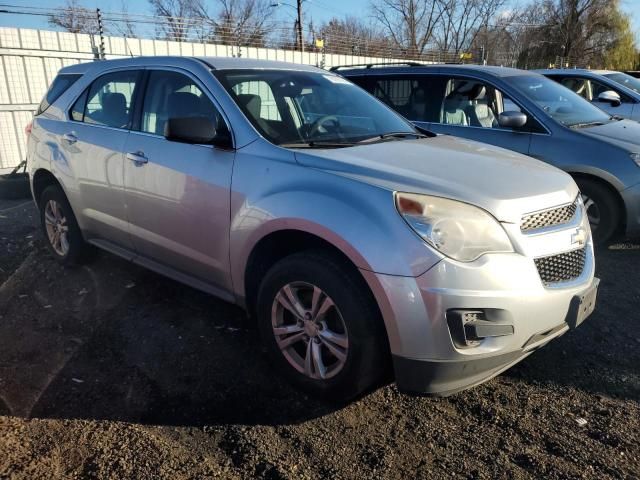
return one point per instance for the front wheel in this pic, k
(321, 327)
(602, 209)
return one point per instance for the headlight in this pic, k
(458, 230)
(636, 158)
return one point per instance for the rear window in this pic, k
(60, 85)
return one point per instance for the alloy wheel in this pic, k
(593, 211)
(309, 330)
(56, 227)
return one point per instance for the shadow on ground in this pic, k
(112, 341)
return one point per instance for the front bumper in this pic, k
(506, 287)
(442, 378)
(631, 199)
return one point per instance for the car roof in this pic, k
(443, 68)
(572, 71)
(216, 63)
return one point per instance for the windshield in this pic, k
(626, 80)
(293, 108)
(560, 103)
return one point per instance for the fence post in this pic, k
(101, 33)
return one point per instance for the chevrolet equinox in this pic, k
(357, 241)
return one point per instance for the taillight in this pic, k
(27, 129)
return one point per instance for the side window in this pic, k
(597, 88)
(509, 105)
(418, 98)
(473, 103)
(577, 85)
(469, 102)
(174, 95)
(395, 92)
(59, 85)
(109, 100)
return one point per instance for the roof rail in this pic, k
(378, 64)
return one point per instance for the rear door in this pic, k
(93, 141)
(416, 97)
(178, 194)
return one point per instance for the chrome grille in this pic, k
(548, 218)
(562, 267)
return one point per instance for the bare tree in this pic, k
(75, 18)
(352, 36)
(236, 22)
(128, 28)
(409, 23)
(177, 18)
(462, 20)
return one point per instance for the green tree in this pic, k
(623, 55)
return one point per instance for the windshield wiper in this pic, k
(315, 144)
(383, 136)
(585, 124)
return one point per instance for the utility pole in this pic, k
(101, 33)
(300, 43)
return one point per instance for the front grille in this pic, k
(562, 267)
(548, 218)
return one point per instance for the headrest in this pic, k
(253, 103)
(183, 104)
(477, 92)
(113, 102)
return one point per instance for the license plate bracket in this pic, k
(583, 305)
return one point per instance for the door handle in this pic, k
(70, 138)
(137, 157)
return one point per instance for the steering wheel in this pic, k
(315, 127)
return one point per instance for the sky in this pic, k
(318, 10)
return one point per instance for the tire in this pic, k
(56, 214)
(602, 209)
(14, 186)
(354, 323)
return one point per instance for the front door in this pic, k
(178, 194)
(625, 109)
(470, 108)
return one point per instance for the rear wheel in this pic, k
(602, 209)
(61, 229)
(321, 327)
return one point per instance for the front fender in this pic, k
(593, 171)
(357, 218)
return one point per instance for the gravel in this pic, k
(111, 371)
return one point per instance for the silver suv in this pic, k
(356, 241)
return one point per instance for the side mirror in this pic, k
(190, 130)
(512, 119)
(610, 97)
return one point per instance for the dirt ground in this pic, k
(110, 371)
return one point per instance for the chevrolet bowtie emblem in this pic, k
(579, 237)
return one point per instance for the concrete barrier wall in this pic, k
(30, 59)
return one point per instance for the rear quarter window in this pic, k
(59, 85)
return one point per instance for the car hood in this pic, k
(623, 133)
(502, 182)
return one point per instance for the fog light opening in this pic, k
(469, 328)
